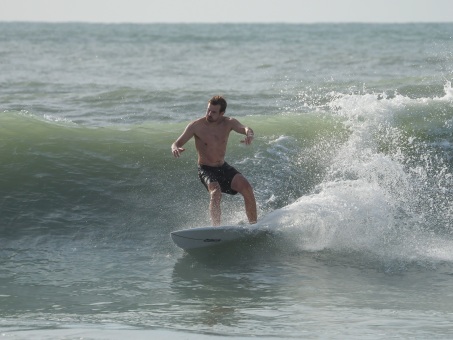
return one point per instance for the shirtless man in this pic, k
(211, 134)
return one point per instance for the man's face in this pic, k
(213, 113)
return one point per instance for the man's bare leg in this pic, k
(241, 185)
(214, 203)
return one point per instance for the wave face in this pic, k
(367, 166)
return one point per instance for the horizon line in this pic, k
(223, 22)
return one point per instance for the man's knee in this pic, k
(215, 191)
(241, 185)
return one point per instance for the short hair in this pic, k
(219, 100)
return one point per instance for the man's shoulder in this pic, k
(230, 120)
(196, 122)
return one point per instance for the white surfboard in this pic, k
(202, 237)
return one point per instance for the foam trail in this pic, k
(374, 200)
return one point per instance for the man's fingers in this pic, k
(177, 152)
(247, 140)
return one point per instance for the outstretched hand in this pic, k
(248, 137)
(177, 151)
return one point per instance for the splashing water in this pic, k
(388, 189)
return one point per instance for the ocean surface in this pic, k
(352, 167)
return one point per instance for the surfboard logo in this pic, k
(212, 240)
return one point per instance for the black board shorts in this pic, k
(223, 175)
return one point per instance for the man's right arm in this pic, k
(177, 146)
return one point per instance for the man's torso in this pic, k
(211, 141)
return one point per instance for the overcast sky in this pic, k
(292, 11)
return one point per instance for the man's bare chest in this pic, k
(214, 135)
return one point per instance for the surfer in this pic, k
(211, 134)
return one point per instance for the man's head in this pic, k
(216, 108)
(219, 100)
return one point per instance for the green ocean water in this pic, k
(351, 167)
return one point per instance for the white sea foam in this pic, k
(370, 200)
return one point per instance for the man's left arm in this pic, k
(245, 130)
